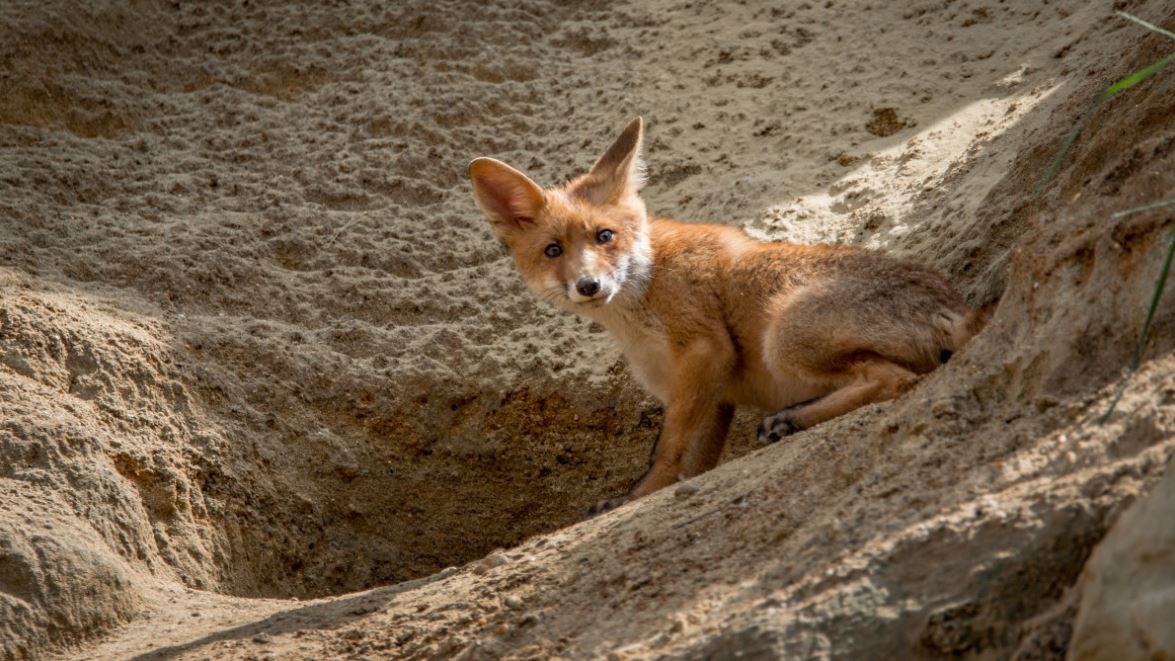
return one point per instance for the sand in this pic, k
(259, 352)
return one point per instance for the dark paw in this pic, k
(606, 505)
(774, 427)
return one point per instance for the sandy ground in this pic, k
(258, 347)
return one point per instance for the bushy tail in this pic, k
(964, 328)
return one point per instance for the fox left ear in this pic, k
(507, 197)
(620, 172)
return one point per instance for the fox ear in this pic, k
(620, 172)
(507, 197)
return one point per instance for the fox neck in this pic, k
(638, 266)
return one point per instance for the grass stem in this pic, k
(1150, 26)
(1146, 327)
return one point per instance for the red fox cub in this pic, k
(709, 318)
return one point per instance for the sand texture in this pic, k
(269, 388)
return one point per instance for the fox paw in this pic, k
(774, 427)
(606, 505)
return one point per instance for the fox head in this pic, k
(579, 245)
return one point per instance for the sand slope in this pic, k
(256, 344)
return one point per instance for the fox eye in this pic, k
(604, 236)
(553, 250)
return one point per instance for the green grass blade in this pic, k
(1150, 26)
(1146, 326)
(1150, 313)
(1055, 164)
(1125, 83)
(1128, 81)
(1136, 77)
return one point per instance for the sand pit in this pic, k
(259, 352)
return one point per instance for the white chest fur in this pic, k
(643, 342)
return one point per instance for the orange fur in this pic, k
(709, 318)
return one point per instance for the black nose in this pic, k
(587, 286)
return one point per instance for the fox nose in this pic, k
(587, 286)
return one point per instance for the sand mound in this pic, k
(1126, 592)
(256, 343)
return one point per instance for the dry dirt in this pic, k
(258, 348)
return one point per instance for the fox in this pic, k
(709, 318)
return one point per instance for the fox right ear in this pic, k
(620, 172)
(507, 197)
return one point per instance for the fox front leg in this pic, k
(696, 422)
